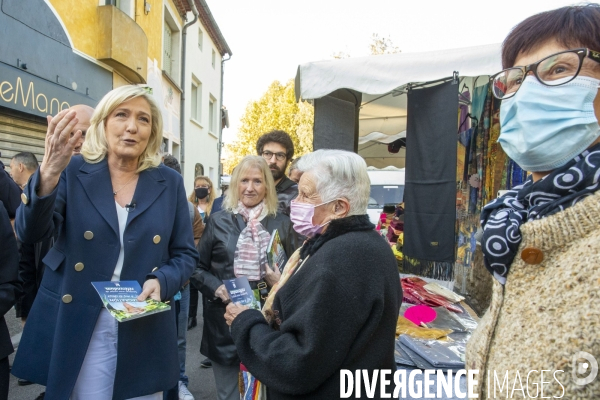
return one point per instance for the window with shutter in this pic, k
(194, 99)
(211, 115)
(168, 50)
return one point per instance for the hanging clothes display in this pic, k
(482, 170)
(430, 208)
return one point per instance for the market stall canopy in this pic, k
(381, 74)
(382, 80)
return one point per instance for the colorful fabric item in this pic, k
(395, 228)
(502, 218)
(414, 292)
(252, 388)
(290, 267)
(251, 249)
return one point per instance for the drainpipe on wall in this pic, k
(221, 117)
(182, 104)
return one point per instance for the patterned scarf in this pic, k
(251, 249)
(502, 218)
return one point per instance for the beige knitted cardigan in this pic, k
(545, 313)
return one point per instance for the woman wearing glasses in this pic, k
(541, 240)
(121, 216)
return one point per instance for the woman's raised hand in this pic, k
(58, 150)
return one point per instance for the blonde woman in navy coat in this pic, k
(122, 216)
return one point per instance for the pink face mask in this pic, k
(301, 215)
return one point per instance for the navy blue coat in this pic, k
(57, 333)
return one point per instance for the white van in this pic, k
(387, 187)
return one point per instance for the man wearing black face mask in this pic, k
(277, 148)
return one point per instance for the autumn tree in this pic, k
(276, 109)
(382, 45)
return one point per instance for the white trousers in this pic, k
(96, 378)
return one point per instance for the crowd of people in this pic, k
(140, 225)
(105, 204)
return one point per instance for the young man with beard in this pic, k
(277, 148)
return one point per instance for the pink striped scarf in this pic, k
(251, 250)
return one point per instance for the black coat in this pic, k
(10, 192)
(338, 311)
(217, 250)
(31, 271)
(9, 265)
(287, 190)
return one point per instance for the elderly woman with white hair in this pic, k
(121, 216)
(336, 304)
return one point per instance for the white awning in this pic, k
(381, 74)
(383, 111)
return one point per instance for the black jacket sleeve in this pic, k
(28, 277)
(9, 263)
(10, 192)
(206, 282)
(9, 286)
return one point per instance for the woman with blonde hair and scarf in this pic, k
(234, 244)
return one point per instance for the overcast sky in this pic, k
(270, 38)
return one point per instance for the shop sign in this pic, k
(27, 93)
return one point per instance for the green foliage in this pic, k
(276, 109)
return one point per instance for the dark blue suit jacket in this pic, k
(217, 204)
(58, 332)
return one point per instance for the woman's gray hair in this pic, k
(339, 174)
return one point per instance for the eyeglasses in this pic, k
(554, 70)
(279, 156)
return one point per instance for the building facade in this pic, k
(41, 73)
(65, 52)
(206, 50)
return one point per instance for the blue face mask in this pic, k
(544, 127)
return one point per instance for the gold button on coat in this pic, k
(67, 298)
(79, 266)
(24, 198)
(89, 235)
(532, 255)
(156, 239)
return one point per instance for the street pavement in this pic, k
(202, 382)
